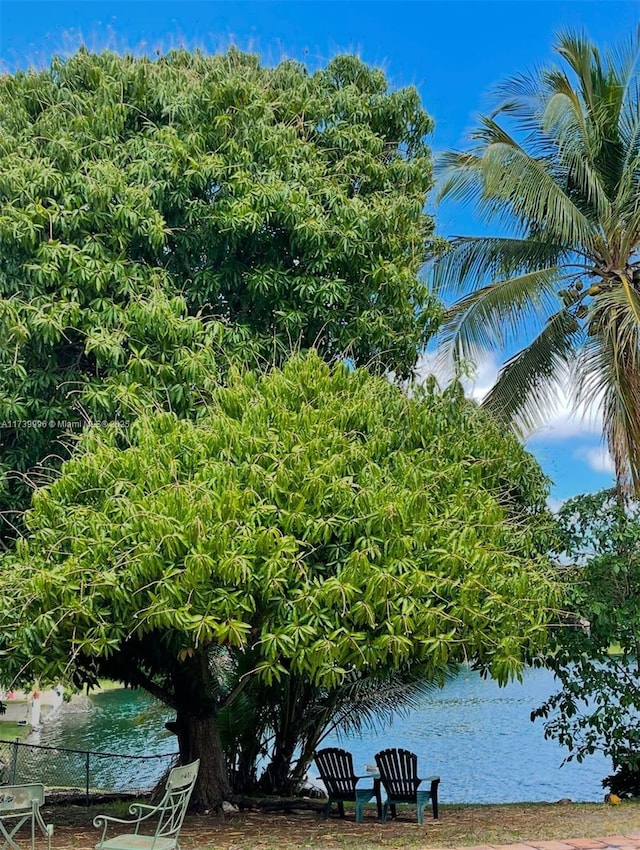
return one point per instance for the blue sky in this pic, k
(453, 52)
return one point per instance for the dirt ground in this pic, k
(458, 826)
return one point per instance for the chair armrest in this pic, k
(137, 818)
(136, 812)
(428, 780)
(104, 820)
(138, 809)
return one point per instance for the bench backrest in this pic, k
(16, 797)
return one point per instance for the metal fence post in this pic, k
(14, 762)
(86, 770)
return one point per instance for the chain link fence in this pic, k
(80, 771)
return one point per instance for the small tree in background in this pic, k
(596, 652)
(314, 524)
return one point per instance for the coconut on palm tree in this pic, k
(557, 163)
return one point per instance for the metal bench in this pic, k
(19, 805)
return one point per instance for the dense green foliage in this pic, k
(561, 173)
(315, 522)
(158, 216)
(596, 652)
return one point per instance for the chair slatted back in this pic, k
(336, 771)
(173, 805)
(398, 774)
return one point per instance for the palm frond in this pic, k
(569, 180)
(460, 177)
(371, 703)
(472, 261)
(575, 158)
(558, 85)
(609, 374)
(527, 385)
(629, 127)
(629, 240)
(583, 58)
(496, 315)
(630, 130)
(625, 58)
(525, 188)
(518, 95)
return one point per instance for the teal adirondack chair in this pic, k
(167, 817)
(336, 772)
(399, 777)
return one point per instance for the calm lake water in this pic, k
(475, 735)
(479, 739)
(120, 721)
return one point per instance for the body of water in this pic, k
(121, 722)
(117, 721)
(479, 739)
(476, 736)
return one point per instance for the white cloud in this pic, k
(554, 504)
(563, 421)
(477, 384)
(597, 458)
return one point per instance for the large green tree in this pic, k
(596, 651)
(313, 523)
(557, 163)
(157, 216)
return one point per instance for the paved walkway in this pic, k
(609, 842)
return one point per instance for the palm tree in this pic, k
(563, 177)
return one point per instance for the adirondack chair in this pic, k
(19, 805)
(336, 772)
(399, 777)
(168, 816)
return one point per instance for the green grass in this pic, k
(10, 730)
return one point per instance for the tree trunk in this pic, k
(199, 738)
(277, 777)
(244, 780)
